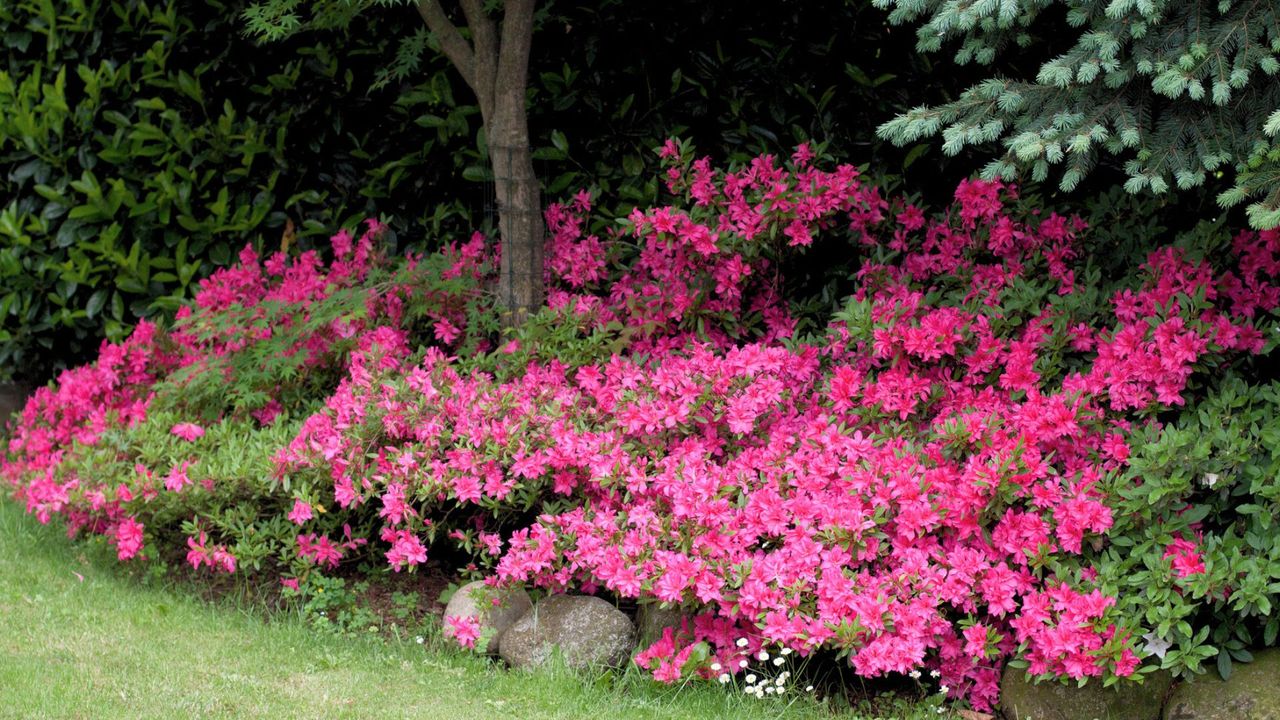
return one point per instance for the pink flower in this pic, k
(188, 431)
(406, 550)
(318, 548)
(128, 538)
(462, 628)
(177, 479)
(267, 414)
(300, 513)
(197, 552)
(223, 560)
(975, 641)
(1186, 558)
(289, 583)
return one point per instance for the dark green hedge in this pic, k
(143, 142)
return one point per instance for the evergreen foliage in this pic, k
(1179, 90)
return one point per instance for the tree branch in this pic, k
(452, 44)
(517, 39)
(484, 40)
(483, 33)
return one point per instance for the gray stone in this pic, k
(1020, 699)
(652, 619)
(475, 599)
(586, 630)
(1251, 692)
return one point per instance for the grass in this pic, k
(78, 639)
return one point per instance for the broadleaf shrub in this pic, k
(142, 143)
(114, 207)
(944, 476)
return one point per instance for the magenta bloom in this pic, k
(223, 560)
(300, 513)
(406, 549)
(1186, 557)
(128, 538)
(177, 479)
(188, 431)
(462, 628)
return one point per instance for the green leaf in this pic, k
(96, 301)
(560, 142)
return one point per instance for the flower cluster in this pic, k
(917, 485)
(254, 332)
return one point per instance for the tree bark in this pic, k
(495, 64)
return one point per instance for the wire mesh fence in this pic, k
(512, 206)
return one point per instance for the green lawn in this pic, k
(78, 639)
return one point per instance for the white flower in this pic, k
(751, 678)
(1156, 645)
(934, 674)
(780, 681)
(786, 651)
(1210, 479)
(762, 655)
(715, 667)
(742, 642)
(779, 660)
(914, 674)
(771, 690)
(742, 663)
(419, 639)
(724, 678)
(808, 688)
(944, 689)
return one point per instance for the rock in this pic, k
(1252, 692)
(652, 619)
(588, 631)
(1020, 699)
(475, 599)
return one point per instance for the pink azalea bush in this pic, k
(924, 483)
(113, 447)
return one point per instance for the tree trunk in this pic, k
(519, 221)
(497, 67)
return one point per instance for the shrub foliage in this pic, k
(976, 459)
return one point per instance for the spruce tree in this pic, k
(1180, 91)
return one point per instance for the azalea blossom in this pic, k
(188, 431)
(464, 629)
